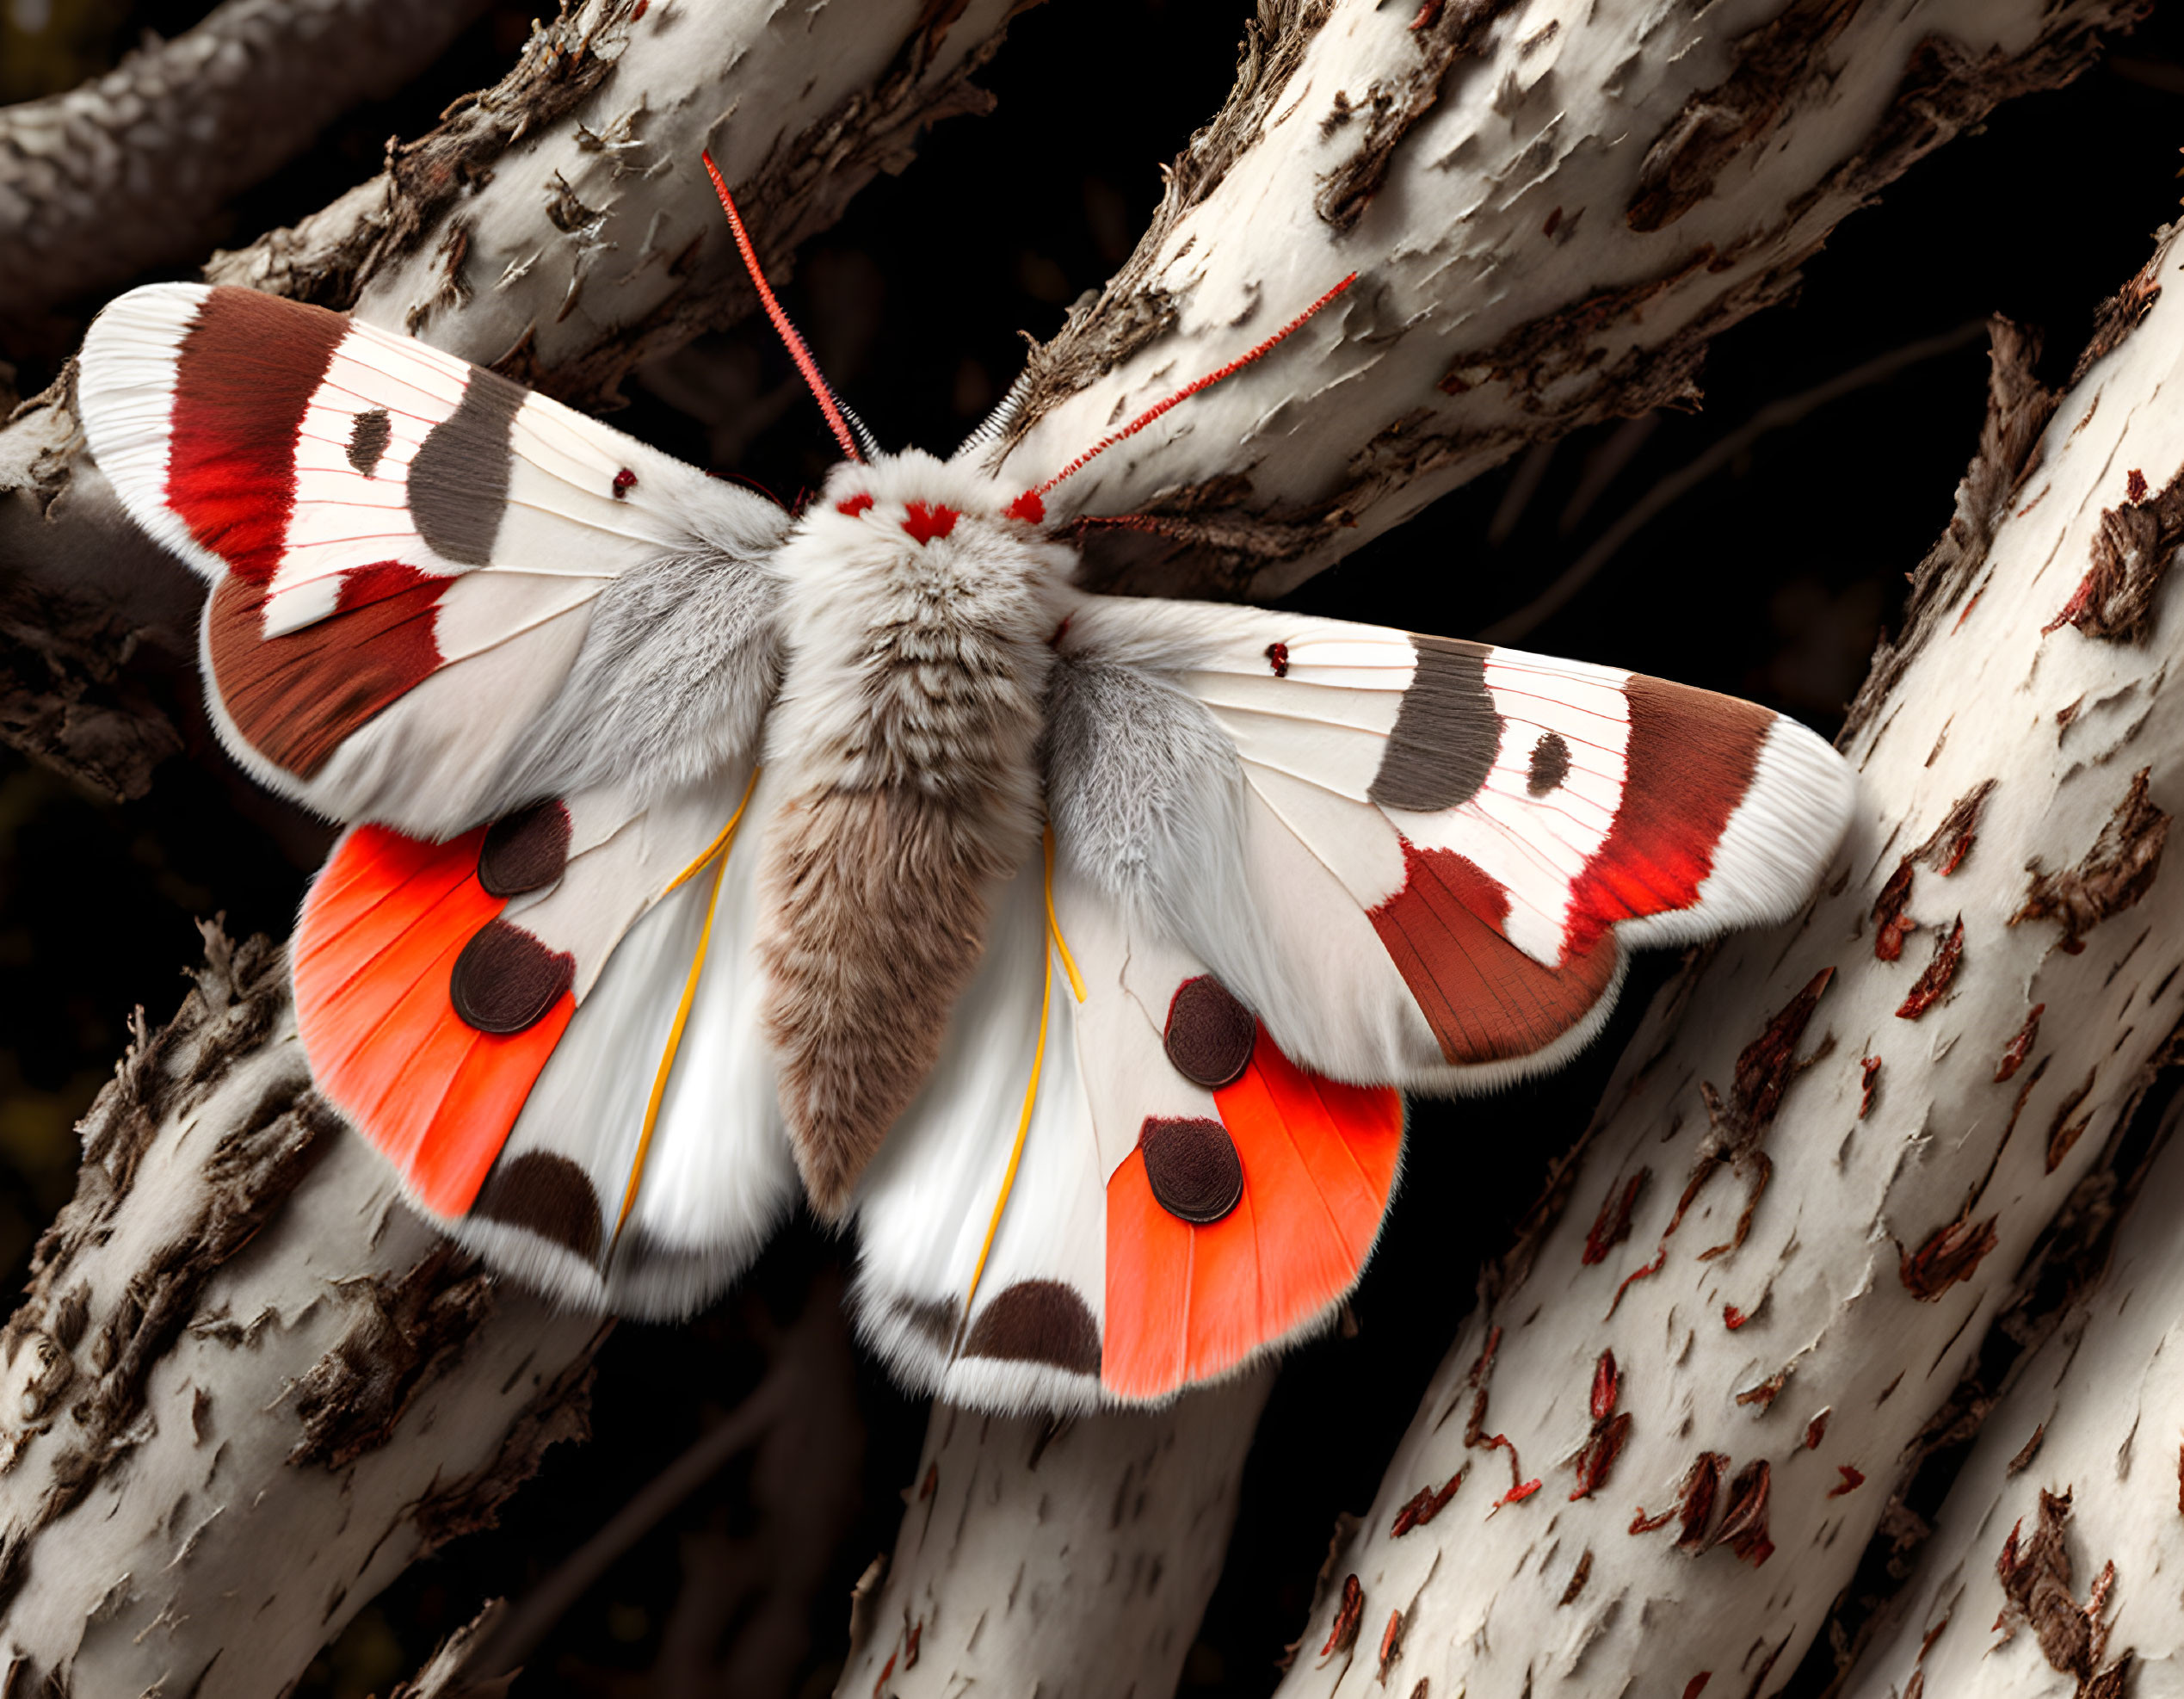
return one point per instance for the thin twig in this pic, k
(530, 1622)
(1773, 417)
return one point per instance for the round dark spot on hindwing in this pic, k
(1210, 1034)
(526, 851)
(1038, 1321)
(546, 1194)
(369, 433)
(1550, 763)
(505, 979)
(1193, 1168)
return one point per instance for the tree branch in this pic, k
(1551, 218)
(131, 170)
(1826, 1157)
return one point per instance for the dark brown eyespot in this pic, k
(505, 979)
(1193, 1168)
(1210, 1034)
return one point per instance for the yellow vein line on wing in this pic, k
(716, 852)
(1039, 1061)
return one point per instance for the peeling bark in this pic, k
(1527, 320)
(1098, 1591)
(132, 169)
(1521, 272)
(1785, 1376)
(558, 225)
(183, 1507)
(2067, 1479)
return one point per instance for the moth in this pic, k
(706, 857)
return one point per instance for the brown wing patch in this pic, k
(1038, 1321)
(1485, 1000)
(294, 697)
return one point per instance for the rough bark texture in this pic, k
(1834, 1144)
(1506, 299)
(1099, 1593)
(247, 1387)
(256, 1361)
(132, 169)
(2067, 1518)
(559, 225)
(1552, 208)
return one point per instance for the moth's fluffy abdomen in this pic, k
(916, 621)
(877, 905)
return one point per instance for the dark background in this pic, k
(1771, 579)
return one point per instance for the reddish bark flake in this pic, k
(1694, 1505)
(1927, 990)
(2132, 548)
(1613, 1225)
(1743, 1517)
(1578, 1577)
(1891, 924)
(2117, 871)
(1816, 1428)
(1660, 1257)
(2062, 1132)
(1391, 1642)
(2135, 485)
(1344, 1635)
(1598, 1455)
(2030, 1449)
(1425, 1504)
(1517, 1494)
(1869, 1070)
(2035, 1579)
(2179, 1480)
(1607, 1386)
(1765, 1067)
(1950, 1254)
(1519, 1488)
(2013, 1052)
(925, 1488)
(1767, 1391)
(1732, 1317)
(1697, 1684)
(1428, 15)
(1853, 1478)
(1609, 1432)
(1944, 851)
(886, 1670)
(910, 1646)
(1482, 1370)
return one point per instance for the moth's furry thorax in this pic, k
(916, 618)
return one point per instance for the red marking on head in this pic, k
(625, 481)
(797, 352)
(1191, 389)
(1278, 658)
(923, 523)
(1028, 508)
(853, 506)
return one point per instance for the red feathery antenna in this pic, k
(797, 352)
(1029, 506)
